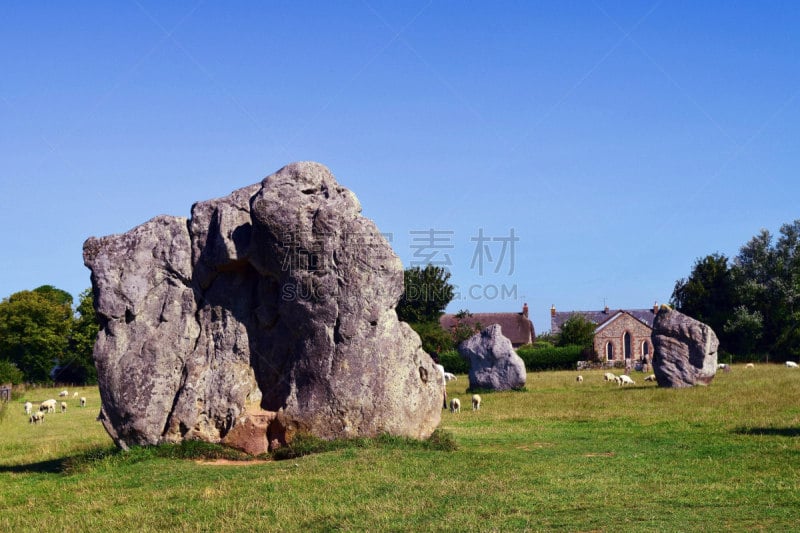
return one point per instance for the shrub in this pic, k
(453, 362)
(9, 373)
(550, 357)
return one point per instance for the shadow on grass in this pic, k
(62, 465)
(781, 432)
(54, 466)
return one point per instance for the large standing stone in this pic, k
(276, 299)
(685, 350)
(494, 365)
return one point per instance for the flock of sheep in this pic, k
(455, 404)
(625, 379)
(49, 406)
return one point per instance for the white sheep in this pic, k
(455, 405)
(36, 417)
(63, 407)
(63, 394)
(83, 401)
(28, 408)
(749, 365)
(449, 377)
(74, 395)
(579, 379)
(608, 376)
(443, 380)
(625, 380)
(476, 402)
(651, 377)
(48, 405)
(791, 364)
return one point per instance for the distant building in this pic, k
(517, 327)
(621, 335)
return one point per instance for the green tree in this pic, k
(578, 331)
(426, 294)
(9, 373)
(34, 330)
(752, 302)
(708, 294)
(77, 363)
(464, 328)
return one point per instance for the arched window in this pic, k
(645, 349)
(626, 345)
(609, 351)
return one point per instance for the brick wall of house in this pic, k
(614, 333)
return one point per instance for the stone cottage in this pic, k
(621, 335)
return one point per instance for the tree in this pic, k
(77, 364)
(427, 293)
(744, 329)
(708, 293)
(464, 328)
(9, 373)
(752, 302)
(34, 330)
(578, 331)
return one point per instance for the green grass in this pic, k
(559, 456)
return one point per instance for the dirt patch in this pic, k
(600, 454)
(228, 462)
(534, 445)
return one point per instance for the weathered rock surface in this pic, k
(276, 300)
(494, 365)
(685, 350)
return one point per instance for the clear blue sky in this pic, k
(619, 141)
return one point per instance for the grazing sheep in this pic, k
(74, 395)
(579, 379)
(83, 401)
(440, 368)
(749, 365)
(476, 402)
(36, 417)
(455, 405)
(791, 364)
(63, 407)
(28, 408)
(608, 376)
(63, 394)
(651, 377)
(625, 380)
(449, 377)
(48, 405)
(617, 380)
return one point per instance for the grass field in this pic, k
(560, 456)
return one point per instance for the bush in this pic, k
(452, 362)
(550, 357)
(434, 338)
(9, 373)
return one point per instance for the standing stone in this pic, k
(685, 350)
(271, 311)
(494, 365)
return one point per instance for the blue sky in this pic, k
(617, 141)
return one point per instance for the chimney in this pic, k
(605, 311)
(553, 310)
(525, 310)
(655, 308)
